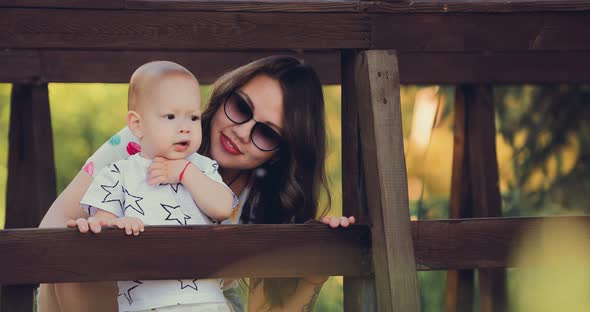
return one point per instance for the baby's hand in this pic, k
(130, 224)
(93, 224)
(163, 170)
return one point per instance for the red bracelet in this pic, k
(183, 170)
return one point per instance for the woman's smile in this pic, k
(228, 145)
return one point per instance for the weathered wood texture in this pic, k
(54, 255)
(117, 66)
(482, 243)
(415, 68)
(60, 255)
(194, 30)
(477, 6)
(180, 30)
(31, 186)
(385, 6)
(359, 292)
(377, 87)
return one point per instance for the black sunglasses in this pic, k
(238, 110)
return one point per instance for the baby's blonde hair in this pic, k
(148, 73)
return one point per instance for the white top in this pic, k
(121, 188)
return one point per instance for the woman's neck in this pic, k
(237, 180)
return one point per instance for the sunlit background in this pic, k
(543, 140)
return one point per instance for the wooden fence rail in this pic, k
(31, 256)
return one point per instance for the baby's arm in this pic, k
(215, 199)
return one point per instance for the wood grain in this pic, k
(377, 85)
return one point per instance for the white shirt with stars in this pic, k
(121, 188)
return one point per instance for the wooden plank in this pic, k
(359, 292)
(111, 66)
(499, 67)
(415, 68)
(180, 30)
(377, 83)
(31, 186)
(481, 6)
(332, 6)
(87, 4)
(459, 284)
(62, 255)
(269, 251)
(463, 32)
(194, 30)
(483, 176)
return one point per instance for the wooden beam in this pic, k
(377, 84)
(31, 186)
(471, 6)
(484, 243)
(483, 176)
(269, 251)
(196, 30)
(463, 32)
(23, 65)
(384, 6)
(459, 283)
(63, 255)
(117, 66)
(247, 5)
(179, 30)
(359, 292)
(58, 4)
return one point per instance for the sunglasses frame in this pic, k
(251, 117)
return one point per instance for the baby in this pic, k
(167, 182)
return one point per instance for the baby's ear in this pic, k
(134, 124)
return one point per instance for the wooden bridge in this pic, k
(370, 48)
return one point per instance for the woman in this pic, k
(265, 127)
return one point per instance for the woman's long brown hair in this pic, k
(290, 188)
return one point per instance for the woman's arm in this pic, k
(99, 296)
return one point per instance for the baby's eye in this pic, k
(169, 116)
(194, 118)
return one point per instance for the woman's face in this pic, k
(231, 145)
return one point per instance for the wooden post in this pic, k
(475, 191)
(377, 96)
(359, 292)
(31, 186)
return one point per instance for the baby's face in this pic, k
(171, 118)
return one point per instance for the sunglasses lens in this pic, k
(265, 138)
(237, 109)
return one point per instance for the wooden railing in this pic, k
(408, 41)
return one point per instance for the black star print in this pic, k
(188, 284)
(135, 206)
(115, 169)
(109, 193)
(175, 213)
(127, 292)
(175, 189)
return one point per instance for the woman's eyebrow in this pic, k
(249, 101)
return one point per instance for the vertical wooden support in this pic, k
(476, 190)
(459, 284)
(31, 186)
(377, 88)
(359, 292)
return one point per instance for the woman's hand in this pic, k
(335, 222)
(163, 170)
